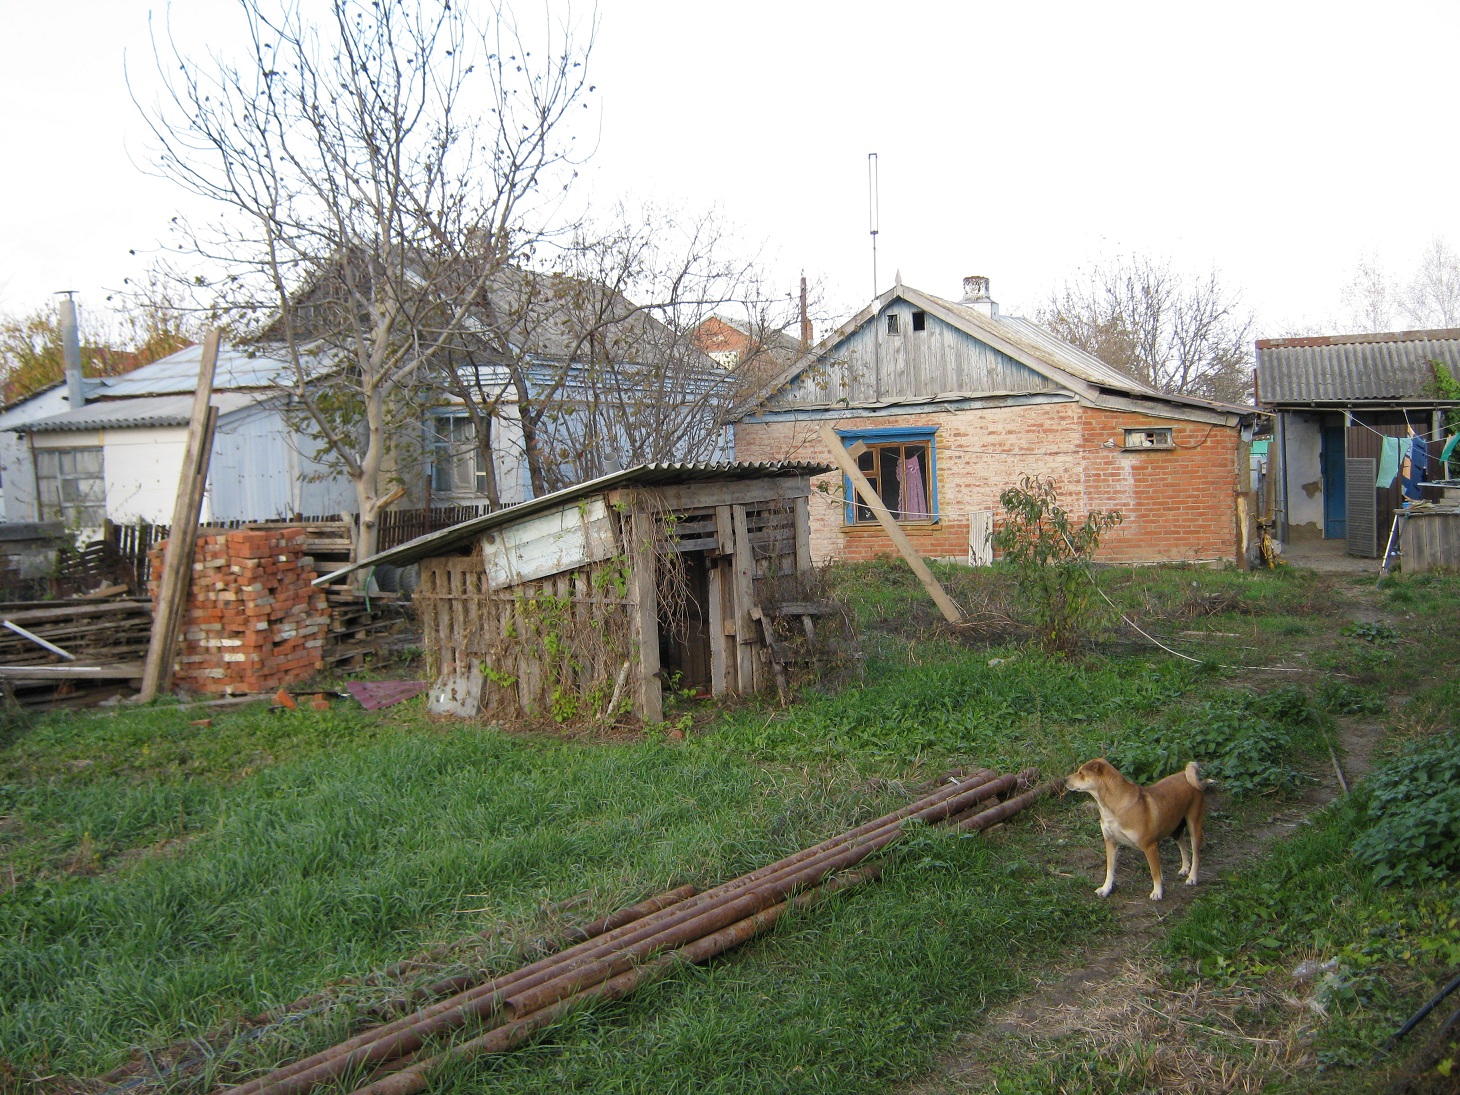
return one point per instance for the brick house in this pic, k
(952, 402)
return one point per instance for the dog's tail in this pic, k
(1193, 777)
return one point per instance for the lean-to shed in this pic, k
(587, 601)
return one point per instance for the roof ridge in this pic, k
(1437, 334)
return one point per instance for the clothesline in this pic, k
(1427, 436)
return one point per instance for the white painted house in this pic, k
(119, 456)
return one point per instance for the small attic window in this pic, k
(920, 321)
(1149, 439)
(892, 323)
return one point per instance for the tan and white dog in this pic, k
(1141, 817)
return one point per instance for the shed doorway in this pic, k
(1335, 483)
(685, 652)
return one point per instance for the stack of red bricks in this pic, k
(253, 622)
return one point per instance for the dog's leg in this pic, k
(1185, 859)
(1153, 857)
(1194, 822)
(1112, 849)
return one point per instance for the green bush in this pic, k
(1050, 555)
(1414, 814)
(1241, 742)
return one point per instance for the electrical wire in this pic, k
(1426, 436)
(1084, 566)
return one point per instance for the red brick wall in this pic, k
(253, 622)
(1178, 504)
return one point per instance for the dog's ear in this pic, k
(1100, 767)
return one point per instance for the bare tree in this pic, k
(1181, 334)
(1370, 297)
(1377, 301)
(595, 359)
(376, 171)
(1432, 297)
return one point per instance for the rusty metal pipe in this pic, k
(415, 1077)
(1006, 809)
(1018, 781)
(409, 1033)
(573, 937)
(579, 973)
(569, 938)
(530, 1019)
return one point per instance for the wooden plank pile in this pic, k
(361, 625)
(107, 639)
(252, 623)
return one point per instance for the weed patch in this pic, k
(1244, 741)
(1413, 814)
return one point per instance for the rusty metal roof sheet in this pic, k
(1355, 368)
(645, 475)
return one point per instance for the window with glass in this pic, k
(458, 465)
(72, 486)
(899, 466)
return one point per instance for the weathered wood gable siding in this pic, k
(909, 364)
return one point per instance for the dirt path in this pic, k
(1115, 991)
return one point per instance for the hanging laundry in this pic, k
(1389, 461)
(1416, 462)
(1449, 447)
(914, 497)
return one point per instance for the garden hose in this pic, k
(1418, 1017)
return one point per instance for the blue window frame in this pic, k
(901, 463)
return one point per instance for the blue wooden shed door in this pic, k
(1335, 520)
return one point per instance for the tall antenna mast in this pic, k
(872, 213)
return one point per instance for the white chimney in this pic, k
(976, 295)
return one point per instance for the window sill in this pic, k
(1148, 448)
(876, 526)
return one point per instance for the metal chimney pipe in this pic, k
(71, 350)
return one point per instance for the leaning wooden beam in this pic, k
(52, 647)
(889, 524)
(177, 562)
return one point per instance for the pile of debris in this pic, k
(72, 653)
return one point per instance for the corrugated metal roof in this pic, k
(162, 410)
(1355, 368)
(176, 373)
(645, 475)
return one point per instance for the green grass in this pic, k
(169, 877)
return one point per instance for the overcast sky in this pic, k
(1276, 142)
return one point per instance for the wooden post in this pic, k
(802, 526)
(889, 525)
(177, 560)
(744, 586)
(718, 647)
(650, 702)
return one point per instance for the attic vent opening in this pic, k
(920, 321)
(893, 325)
(1149, 439)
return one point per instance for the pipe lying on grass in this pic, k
(627, 952)
(571, 937)
(416, 1076)
(410, 1032)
